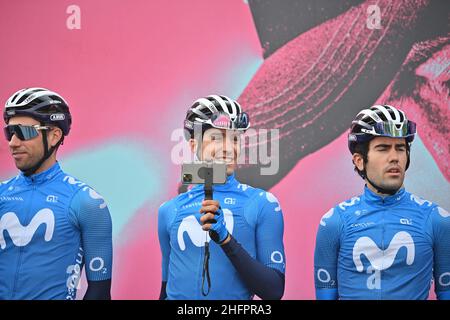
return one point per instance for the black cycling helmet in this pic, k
(45, 106)
(41, 104)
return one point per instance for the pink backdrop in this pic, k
(129, 74)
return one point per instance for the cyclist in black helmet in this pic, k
(51, 224)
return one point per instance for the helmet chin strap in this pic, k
(381, 189)
(47, 153)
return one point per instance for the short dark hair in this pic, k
(363, 150)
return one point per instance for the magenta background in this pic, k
(129, 74)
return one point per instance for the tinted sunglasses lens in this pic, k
(221, 121)
(392, 130)
(28, 132)
(21, 132)
(8, 133)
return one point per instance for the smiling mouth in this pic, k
(393, 171)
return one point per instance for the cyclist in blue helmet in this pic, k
(246, 256)
(386, 243)
(51, 224)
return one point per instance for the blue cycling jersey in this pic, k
(252, 216)
(50, 225)
(374, 247)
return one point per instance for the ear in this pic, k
(55, 135)
(358, 161)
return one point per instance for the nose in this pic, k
(394, 155)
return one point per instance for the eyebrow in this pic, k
(383, 145)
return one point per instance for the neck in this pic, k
(380, 190)
(46, 165)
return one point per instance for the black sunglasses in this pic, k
(22, 132)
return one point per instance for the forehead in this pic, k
(23, 120)
(221, 132)
(387, 141)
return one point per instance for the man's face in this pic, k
(222, 145)
(386, 162)
(26, 153)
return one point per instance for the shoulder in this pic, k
(261, 198)
(267, 198)
(440, 215)
(4, 185)
(168, 211)
(349, 205)
(70, 182)
(336, 215)
(345, 209)
(181, 200)
(419, 202)
(169, 208)
(82, 193)
(333, 218)
(435, 215)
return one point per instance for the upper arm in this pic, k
(440, 219)
(326, 255)
(165, 211)
(269, 234)
(92, 217)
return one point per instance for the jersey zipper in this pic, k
(19, 262)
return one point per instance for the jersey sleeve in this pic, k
(326, 255)
(166, 213)
(440, 220)
(90, 214)
(269, 234)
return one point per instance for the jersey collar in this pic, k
(43, 176)
(230, 183)
(373, 198)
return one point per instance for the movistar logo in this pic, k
(22, 235)
(381, 259)
(192, 227)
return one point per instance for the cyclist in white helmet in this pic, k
(386, 243)
(245, 223)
